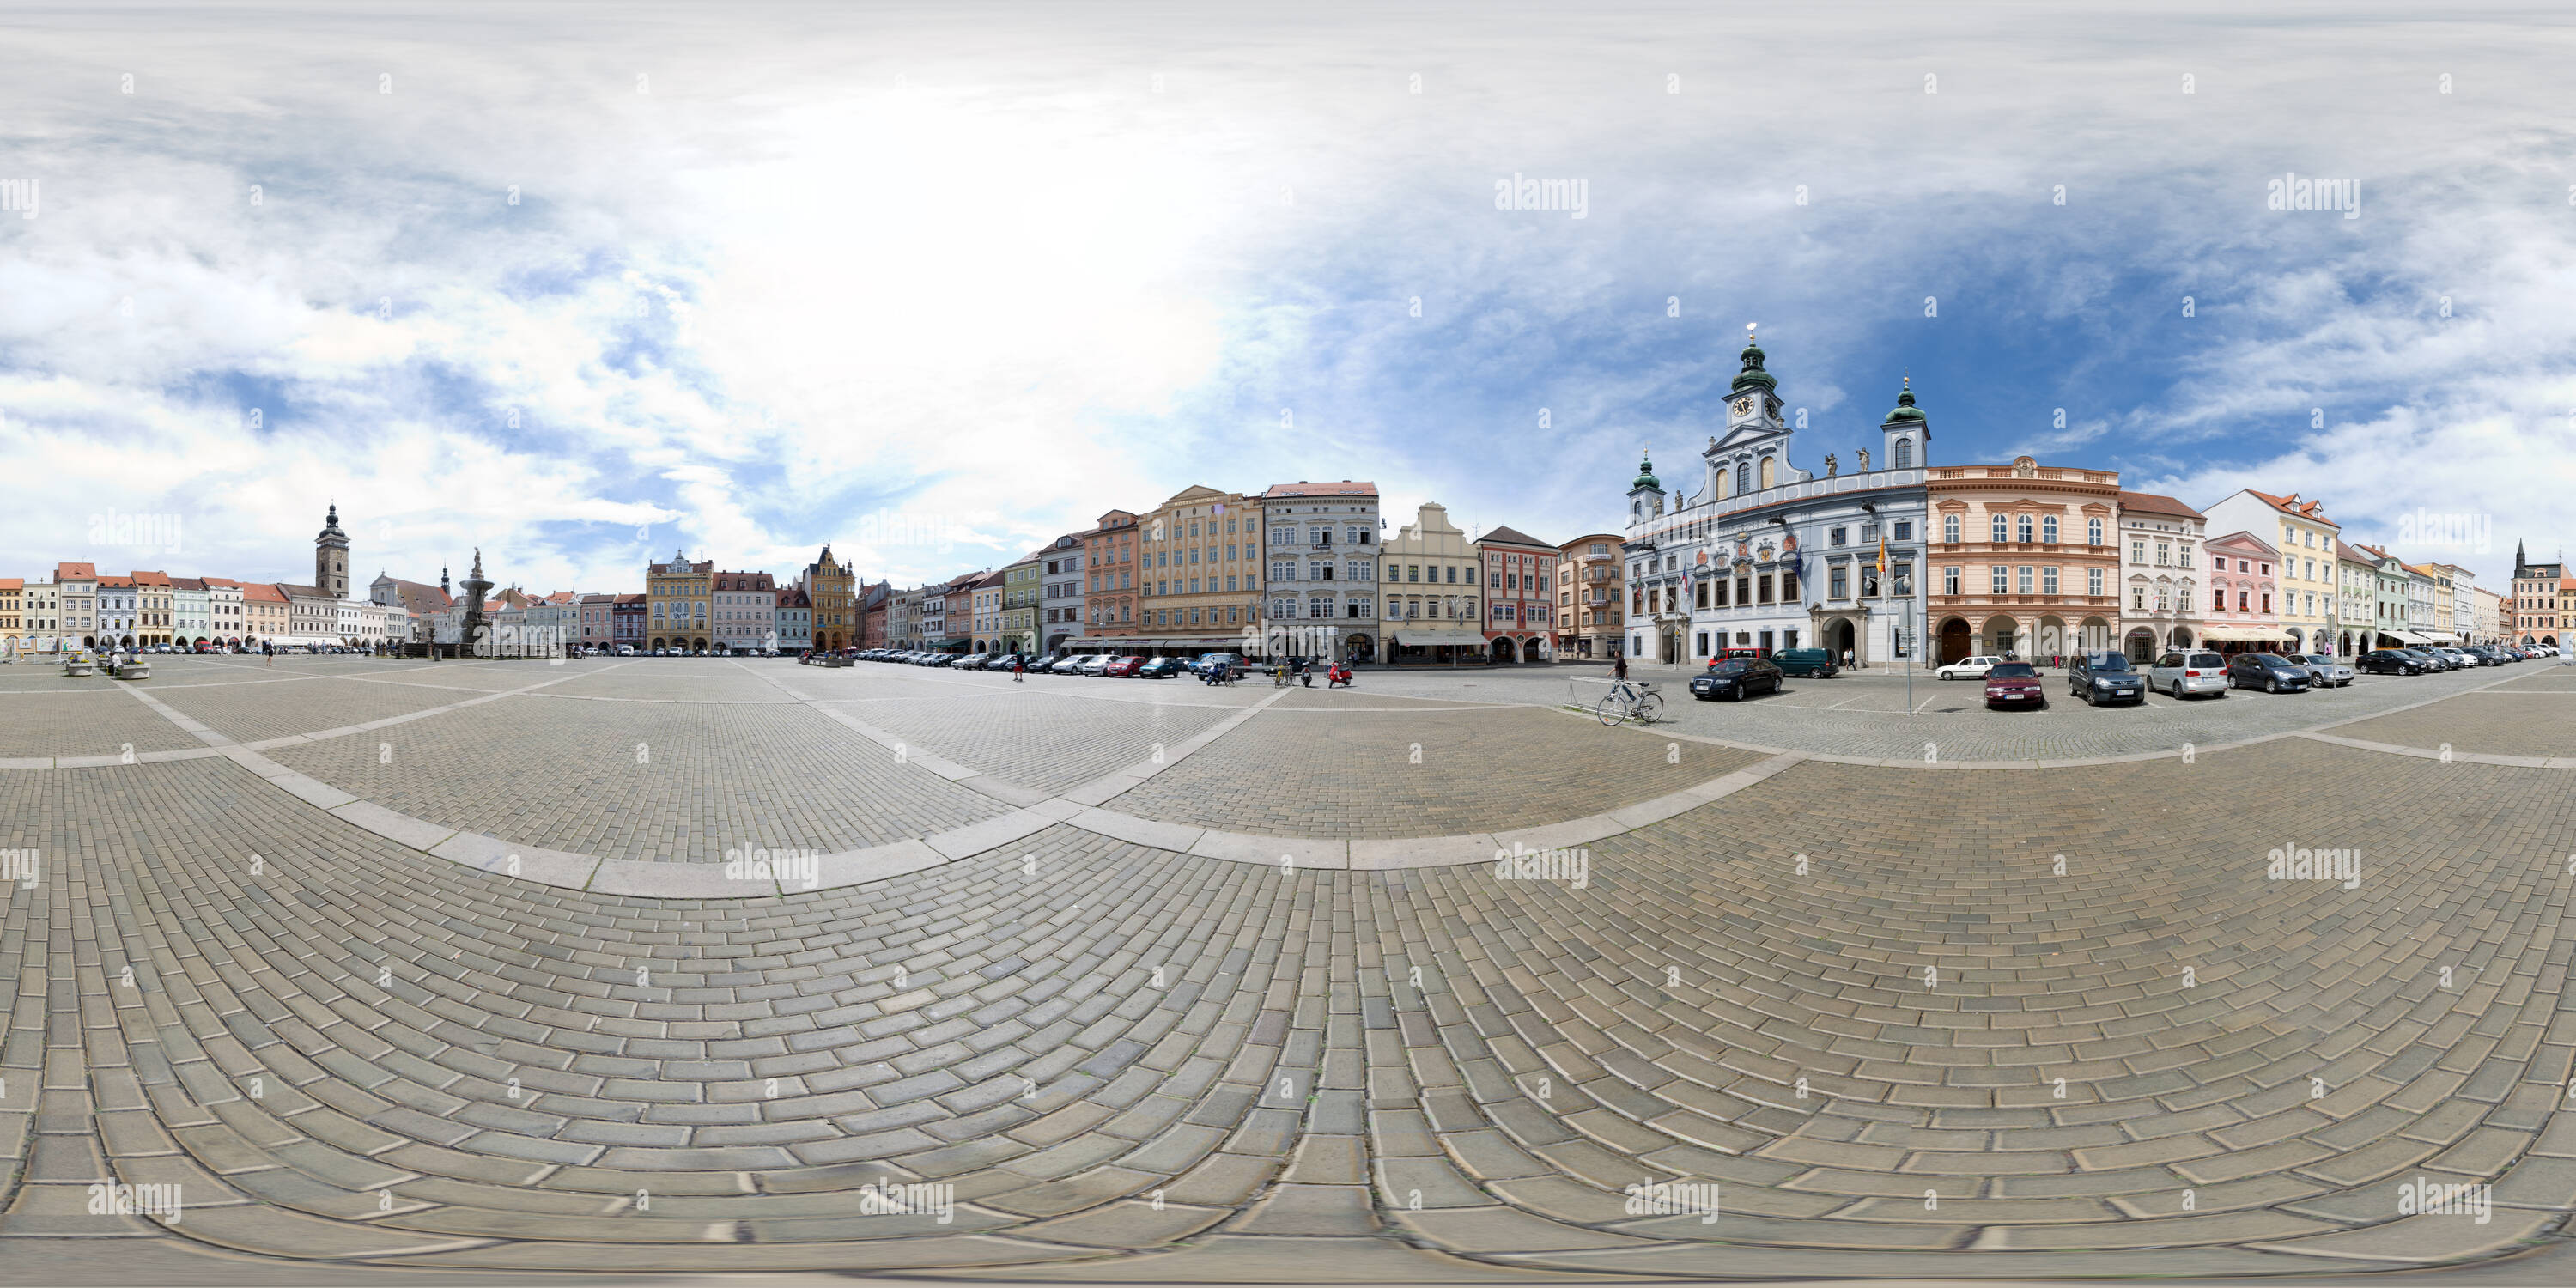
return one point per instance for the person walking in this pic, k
(1619, 667)
(1019, 669)
(269, 647)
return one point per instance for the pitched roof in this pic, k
(142, 578)
(2312, 511)
(75, 571)
(118, 583)
(2156, 503)
(1342, 487)
(2357, 554)
(637, 600)
(1512, 537)
(793, 597)
(13, 583)
(262, 592)
(187, 583)
(599, 599)
(307, 592)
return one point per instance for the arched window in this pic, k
(2048, 529)
(1743, 476)
(2022, 526)
(2002, 532)
(1723, 491)
(1766, 471)
(2092, 532)
(1950, 528)
(1904, 457)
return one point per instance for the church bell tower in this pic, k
(331, 558)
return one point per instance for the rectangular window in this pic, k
(2137, 552)
(2048, 581)
(1905, 529)
(1833, 537)
(2021, 579)
(2001, 578)
(1869, 534)
(1839, 582)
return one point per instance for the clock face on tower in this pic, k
(1744, 406)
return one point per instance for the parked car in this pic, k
(2105, 677)
(1805, 662)
(2014, 684)
(2388, 661)
(2183, 672)
(1122, 666)
(1969, 668)
(1735, 679)
(1233, 662)
(2459, 657)
(1162, 668)
(2270, 672)
(2427, 659)
(1092, 664)
(2324, 672)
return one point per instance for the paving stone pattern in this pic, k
(93, 720)
(1354, 774)
(707, 778)
(1136, 1064)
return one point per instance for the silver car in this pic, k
(2323, 671)
(2188, 671)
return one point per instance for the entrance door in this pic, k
(1955, 642)
(1843, 641)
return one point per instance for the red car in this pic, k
(1123, 666)
(2013, 684)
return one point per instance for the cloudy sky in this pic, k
(937, 282)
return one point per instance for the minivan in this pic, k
(1806, 661)
(2186, 671)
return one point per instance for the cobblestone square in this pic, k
(1269, 999)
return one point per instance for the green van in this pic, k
(1806, 661)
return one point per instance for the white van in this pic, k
(626, 650)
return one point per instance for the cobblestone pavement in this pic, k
(651, 781)
(1436, 772)
(1868, 1009)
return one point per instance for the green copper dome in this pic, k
(1646, 473)
(1753, 376)
(1905, 408)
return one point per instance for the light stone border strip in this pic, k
(1076, 807)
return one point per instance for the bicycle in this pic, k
(1628, 700)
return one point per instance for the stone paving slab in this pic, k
(644, 781)
(90, 721)
(1357, 775)
(1907, 1020)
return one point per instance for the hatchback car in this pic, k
(2324, 672)
(2270, 672)
(2013, 684)
(1969, 668)
(2183, 672)
(1163, 668)
(2105, 677)
(1120, 666)
(1735, 678)
(2389, 661)
(1092, 664)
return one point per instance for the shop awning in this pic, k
(2432, 637)
(2241, 634)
